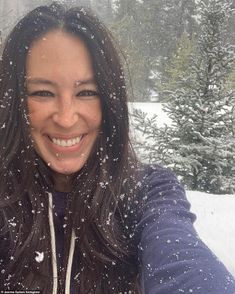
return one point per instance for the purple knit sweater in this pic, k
(172, 257)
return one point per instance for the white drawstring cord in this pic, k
(70, 263)
(53, 244)
(53, 249)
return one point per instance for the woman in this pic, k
(78, 212)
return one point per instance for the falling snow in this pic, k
(39, 256)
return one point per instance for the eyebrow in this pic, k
(37, 81)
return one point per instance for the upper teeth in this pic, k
(66, 143)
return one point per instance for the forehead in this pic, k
(58, 51)
(56, 37)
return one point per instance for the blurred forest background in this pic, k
(181, 54)
(157, 37)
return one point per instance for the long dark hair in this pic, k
(103, 191)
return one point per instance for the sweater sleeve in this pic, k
(173, 258)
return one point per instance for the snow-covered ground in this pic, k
(215, 213)
(216, 224)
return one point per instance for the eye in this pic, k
(87, 94)
(41, 93)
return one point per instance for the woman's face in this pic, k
(63, 102)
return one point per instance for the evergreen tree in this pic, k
(178, 68)
(148, 30)
(104, 9)
(127, 28)
(199, 144)
(12, 11)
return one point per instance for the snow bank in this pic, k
(215, 224)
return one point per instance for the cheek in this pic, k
(32, 114)
(36, 115)
(98, 113)
(98, 120)
(93, 115)
(32, 117)
(38, 111)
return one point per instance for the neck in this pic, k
(62, 183)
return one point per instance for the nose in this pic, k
(65, 114)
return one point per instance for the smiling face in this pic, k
(63, 102)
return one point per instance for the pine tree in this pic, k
(202, 111)
(178, 68)
(104, 9)
(127, 28)
(148, 30)
(200, 143)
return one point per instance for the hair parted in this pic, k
(103, 190)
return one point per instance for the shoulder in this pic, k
(157, 177)
(161, 188)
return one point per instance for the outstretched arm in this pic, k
(173, 258)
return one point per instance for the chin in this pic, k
(67, 171)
